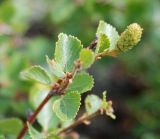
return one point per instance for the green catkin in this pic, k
(130, 37)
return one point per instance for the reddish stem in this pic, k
(93, 44)
(55, 91)
(36, 112)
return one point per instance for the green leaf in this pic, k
(67, 51)
(56, 68)
(92, 103)
(82, 82)
(37, 94)
(34, 134)
(86, 58)
(11, 126)
(67, 106)
(27, 136)
(67, 123)
(110, 32)
(52, 136)
(103, 43)
(37, 73)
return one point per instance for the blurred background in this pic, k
(28, 32)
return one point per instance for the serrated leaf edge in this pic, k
(93, 54)
(38, 66)
(69, 36)
(73, 92)
(101, 21)
(92, 80)
(114, 29)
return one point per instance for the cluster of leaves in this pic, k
(64, 107)
(18, 50)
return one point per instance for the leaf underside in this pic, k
(110, 32)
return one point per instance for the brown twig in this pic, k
(107, 53)
(93, 44)
(58, 89)
(33, 116)
(82, 119)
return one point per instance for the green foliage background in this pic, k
(28, 32)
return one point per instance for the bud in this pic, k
(130, 37)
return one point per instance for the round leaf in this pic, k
(86, 58)
(110, 32)
(67, 106)
(67, 51)
(92, 103)
(82, 82)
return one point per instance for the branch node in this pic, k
(86, 122)
(69, 75)
(53, 92)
